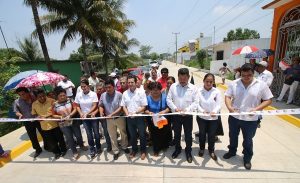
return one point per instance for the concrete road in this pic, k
(276, 159)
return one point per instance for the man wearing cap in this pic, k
(264, 75)
(164, 77)
(113, 75)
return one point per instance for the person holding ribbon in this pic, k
(65, 109)
(161, 135)
(135, 102)
(109, 106)
(246, 94)
(182, 97)
(86, 102)
(209, 104)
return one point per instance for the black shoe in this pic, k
(213, 156)
(216, 139)
(201, 152)
(176, 153)
(63, 153)
(189, 157)
(116, 156)
(57, 156)
(108, 149)
(247, 166)
(228, 155)
(93, 155)
(37, 153)
(126, 151)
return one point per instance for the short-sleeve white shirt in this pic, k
(245, 99)
(85, 101)
(68, 86)
(133, 101)
(266, 77)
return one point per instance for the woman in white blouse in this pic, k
(210, 104)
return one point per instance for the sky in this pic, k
(155, 20)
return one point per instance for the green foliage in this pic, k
(230, 76)
(201, 55)
(8, 54)
(6, 128)
(195, 64)
(144, 51)
(154, 56)
(241, 34)
(30, 50)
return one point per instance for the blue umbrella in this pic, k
(15, 80)
(260, 53)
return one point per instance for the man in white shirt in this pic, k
(264, 75)
(245, 95)
(135, 102)
(182, 97)
(93, 80)
(67, 85)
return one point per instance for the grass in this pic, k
(195, 64)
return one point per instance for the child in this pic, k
(223, 71)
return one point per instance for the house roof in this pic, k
(275, 4)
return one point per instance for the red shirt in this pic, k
(163, 82)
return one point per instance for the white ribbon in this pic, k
(263, 113)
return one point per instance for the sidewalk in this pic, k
(276, 159)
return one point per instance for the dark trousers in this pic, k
(31, 127)
(106, 134)
(187, 123)
(209, 128)
(137, 124)
(93, 135)
(70, 132)
(248, 130)
(55, 140)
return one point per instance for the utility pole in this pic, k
(214, 42)
(4, 40)
(176, 33)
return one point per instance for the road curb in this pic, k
(17, 151)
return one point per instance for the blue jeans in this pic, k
(106, 135)
(137, 124)
(248, 129)
(208, 127)
(92, 133)
(69, 131)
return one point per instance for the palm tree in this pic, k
(75, 17)
(29, 49)
(34, 4)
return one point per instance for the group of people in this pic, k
(119, 100)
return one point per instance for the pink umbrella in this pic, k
(245, 50)
(40, 79)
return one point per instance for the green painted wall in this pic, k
(70, 68)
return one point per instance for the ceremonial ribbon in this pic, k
(263, 113)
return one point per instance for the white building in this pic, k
(222, 52)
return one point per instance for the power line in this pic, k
(238, 16)
(257, 19)
(220, 17)
(189, 14)
(205, 14)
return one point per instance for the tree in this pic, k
(201, 55)
(96, 21)
(30, 50)
(144, 51)
(34, 4)
(241, 34)
(8, 54)
(154, 56)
